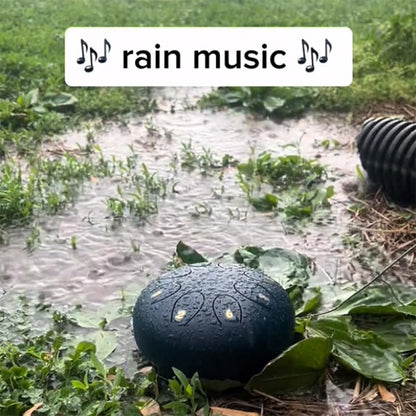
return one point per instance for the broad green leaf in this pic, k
(84, 318)
(288, 268)
(312, 302)
(118, 308)
(296, 370)
(247, 168)
(175, 386)
(84, 346)
(248, 255)
(400, 332)
(181, 377)
(381, 300)
(267, 202)
(272, 103)
(105, 342)
(233, 97)
(60, 101)
(32, 97)
(188, 255)
(363, 351)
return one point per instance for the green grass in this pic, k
(32, 52)
(50, 185)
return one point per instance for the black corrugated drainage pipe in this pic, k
(387, 148)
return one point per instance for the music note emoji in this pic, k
(81, 59)
(90, 67)
(103, 58)
(311, 67)
(324, 58)
(305, 45)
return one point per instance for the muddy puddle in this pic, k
(104, 263)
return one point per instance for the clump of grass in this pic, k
(142, 200)
(16, 195)
(48, 185)
(206, 161)
(296, 185)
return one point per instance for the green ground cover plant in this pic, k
(61, 359)
(297, 185)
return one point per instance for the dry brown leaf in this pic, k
(151, 408)
(370, 395)
(357, 389)
(221, 411)
(386, 395)
(146, 370)
(33, 409)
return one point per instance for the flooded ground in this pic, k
(104, 263)
(208, 212)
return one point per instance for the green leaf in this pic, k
(296, 370)
(233, 97)
(105, 342)
(267, 202)
(61, 101)
(84, 346)
(248, 255)
(247, 168)
(77, 384)
(381, 300)
(181, 377)
(289, 268)
(189, 390)
(312, 302)
(99, 366)
(32, 97)
(84, 319)
(363, 351)
(188, 255)
(400, 332)
(360, 174)
(175, 386)
(272, 103)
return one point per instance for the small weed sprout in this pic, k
(205, 162)
(150, 127)
(33, 240)
(142, 200)
(188, 395)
